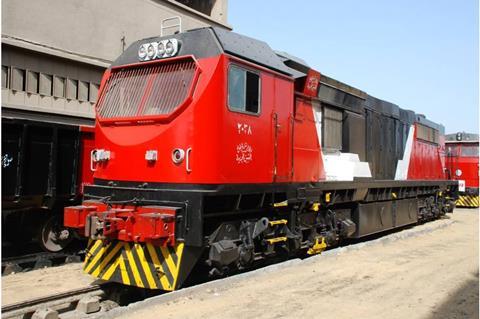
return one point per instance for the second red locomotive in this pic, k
(462, 165)
(211, 147)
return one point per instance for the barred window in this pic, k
(332, 128)
(427, 133)
(151, 90)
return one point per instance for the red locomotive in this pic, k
(213, 148)
(462, 165)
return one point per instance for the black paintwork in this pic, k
(40, 164)
(204, 205)
(211, 41)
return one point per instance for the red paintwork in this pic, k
(155, 224)
(87, 144)
(426, 161)
(76, 216)
(312, 83)
(232, 147)
(308, 163)
(469, 165)
(221, 141)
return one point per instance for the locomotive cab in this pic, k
(194, 116)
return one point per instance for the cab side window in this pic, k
(243, 90)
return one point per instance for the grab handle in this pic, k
(92, 156)
(187, 164)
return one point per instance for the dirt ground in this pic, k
(429, 271)
(43, 282)
(417, 273)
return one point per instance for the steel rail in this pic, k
(31, 305)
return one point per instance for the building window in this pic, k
(32, 82)
(5, 77)
(45, 84)
(58, 86)
(83, 90)
(72, 89)
(332, 128)
(243, 90)
(18, 79)
(93, 92)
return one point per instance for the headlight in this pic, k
(142, 52)
(157, 50)
(169, 48)
(458, 172)
(178, 155)
(160, 49)
(151, 51)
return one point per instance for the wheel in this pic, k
(54, 237)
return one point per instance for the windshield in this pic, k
(469, 151)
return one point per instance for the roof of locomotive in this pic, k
(212, 41)
(461, 137)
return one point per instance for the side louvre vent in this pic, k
(147, 90)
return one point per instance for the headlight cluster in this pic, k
(158, 50)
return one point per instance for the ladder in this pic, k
(177, 23)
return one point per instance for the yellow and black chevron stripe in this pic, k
(136, 264)
(467, 201)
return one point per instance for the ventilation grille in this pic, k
(156, 89)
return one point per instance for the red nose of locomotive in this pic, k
(143, 131)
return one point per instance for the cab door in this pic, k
(282, 126)
(246, 137)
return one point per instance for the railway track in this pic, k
(38, 260)
(59, 303)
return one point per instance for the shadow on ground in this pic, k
(463, 304)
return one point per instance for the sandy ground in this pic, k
(43, 282)
(429, 271)
(416, 273)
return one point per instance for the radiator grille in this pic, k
(156, 89)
